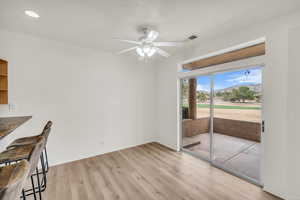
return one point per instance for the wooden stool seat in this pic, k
(12, 178)
(16, 153)
(31, 139)
(24, 141)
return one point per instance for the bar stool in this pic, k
(12, 178)
(44, 157)
(32, 140)
(31, 153)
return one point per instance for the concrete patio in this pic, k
(237, 154)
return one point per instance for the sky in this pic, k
(229, 79)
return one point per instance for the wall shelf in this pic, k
(3, 82)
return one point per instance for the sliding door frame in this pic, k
(211, 71)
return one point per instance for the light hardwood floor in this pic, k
(149, 171)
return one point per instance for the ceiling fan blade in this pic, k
(162, 52)
(126, 50)
(167, 44)
(129, 41)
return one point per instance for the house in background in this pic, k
(149, 99)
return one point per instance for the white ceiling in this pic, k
(93, 23)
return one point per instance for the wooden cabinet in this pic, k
(3, 82)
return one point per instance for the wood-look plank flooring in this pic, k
(147, 172)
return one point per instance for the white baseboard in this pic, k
(275, 192)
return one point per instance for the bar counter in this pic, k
(9, 124)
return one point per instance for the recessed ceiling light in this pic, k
(31, 13)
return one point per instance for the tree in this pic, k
(219, 94)
(241, 94)
(227, 96)
(235, 95)
(258, 97)
(244, 93)
(201, 96)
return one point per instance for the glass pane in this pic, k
(236, 122)
(196, 115)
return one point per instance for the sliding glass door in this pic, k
(221, 120)
(237, 121)
(196, 114)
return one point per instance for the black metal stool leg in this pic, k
(23, 194)
(44, 180)
(33, 187)
(39, 184)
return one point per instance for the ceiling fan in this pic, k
(146, 46)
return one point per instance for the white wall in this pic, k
(98, 102)
(275, 96)
(293, 107)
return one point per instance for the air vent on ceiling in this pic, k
(192, 37)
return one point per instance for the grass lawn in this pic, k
(229, 107)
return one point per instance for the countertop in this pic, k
(9, 124)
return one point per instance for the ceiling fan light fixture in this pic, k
(152, 35)
(151, 52)
(146, 49)
(140, 52)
